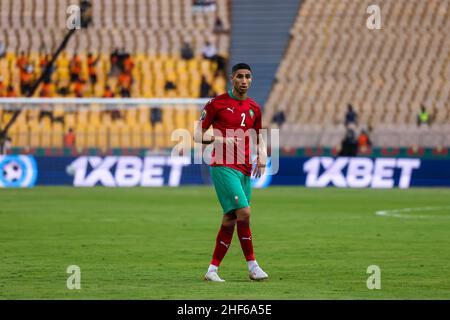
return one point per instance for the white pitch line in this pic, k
(398, 213)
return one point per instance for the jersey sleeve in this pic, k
(208, 115)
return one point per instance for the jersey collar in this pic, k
(230, 93)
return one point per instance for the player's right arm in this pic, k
(207, 119)
(202, 136)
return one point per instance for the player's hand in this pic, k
(259, 169)
(229, 141)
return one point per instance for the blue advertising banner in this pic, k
(150, 171)
(119, 171)
(359, 172)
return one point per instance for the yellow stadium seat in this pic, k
(136, 137)
(146, 135)
(169, 64)
(159, 135)
(80, 137)
(125, 136)
(82, 117)
(102, 137)
(57, 135)
(69, 121)
(114, 136)
(91, 136)
(130, 116)
(143, 115)
(22, 137)
(193, 65)
(205, 66)
(35, 135)
(94, 118)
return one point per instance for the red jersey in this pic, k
(226, 112)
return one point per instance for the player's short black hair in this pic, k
(239, 66)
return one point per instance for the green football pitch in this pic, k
(156, 243)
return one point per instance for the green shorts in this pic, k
(233, 188)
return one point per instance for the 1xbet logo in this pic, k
(127, 171)
(359, 172)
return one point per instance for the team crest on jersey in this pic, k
(203, 115)
(251, 113)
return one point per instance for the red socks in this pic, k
(223, 242)
(245, 237)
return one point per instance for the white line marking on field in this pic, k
(399, 213)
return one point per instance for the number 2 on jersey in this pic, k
(243, 120)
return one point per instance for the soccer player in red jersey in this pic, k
(234, 117)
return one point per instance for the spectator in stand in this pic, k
(92, 71)
(218, 26)
(121, 57)
(45, 59)
(22, 61)
(128, 64)
(205, 88)
(46, 90)
(423, 117)
(78, 88)
(351, 117)
(125, 82)
(11, 92)
(155, 116)
(209, 51)
(170, 85)
(186, 51)
(170, 88)
(69, 139)
(108, 93)
(349, 146)
(114, 62)
(26, 79)
(75, 68)
(63, 88)
(364, 143)
(221, 66)
(279, 118)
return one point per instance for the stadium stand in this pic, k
(266, 24)
(153, 32)
(333, 59)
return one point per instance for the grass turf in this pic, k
(156, 243)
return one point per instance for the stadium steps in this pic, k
(259, 36)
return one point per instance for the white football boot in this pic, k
(256, 273)
(213, 276)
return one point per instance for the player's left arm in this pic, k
(261, 149)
